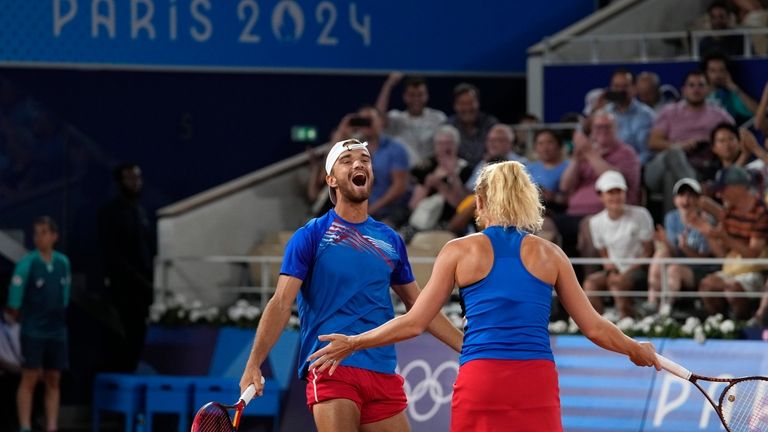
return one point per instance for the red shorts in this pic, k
(377, 395)
(506, 395)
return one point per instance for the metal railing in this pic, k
(265, 287)
(685, 39)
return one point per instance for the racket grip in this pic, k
(249, 392)
(673, 367)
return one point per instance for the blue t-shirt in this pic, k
(508, 310)
(347, 270)
(40, 290)
(547, 178)
(390, 156)
(674, 226)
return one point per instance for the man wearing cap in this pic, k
(619, 231)
(741, 233)
(341, 266)
(677, 239)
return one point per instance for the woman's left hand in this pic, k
(330, 356)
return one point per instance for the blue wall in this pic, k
(566, 85)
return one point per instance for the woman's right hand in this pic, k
(644, 354)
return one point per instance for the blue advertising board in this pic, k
(599, 390)
(245, 35)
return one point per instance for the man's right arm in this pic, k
(272, 323)
(382, 101)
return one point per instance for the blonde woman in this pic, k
(506, 277)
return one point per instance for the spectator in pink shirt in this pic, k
(681, 136)
(592, 156)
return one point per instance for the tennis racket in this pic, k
(742, 405)
(214, 416)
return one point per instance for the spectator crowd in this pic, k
(641, 172)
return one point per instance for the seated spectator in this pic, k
(730, 146)
(619, 231)
(592, 156)
(652, 93)
(725, 93)
(389, 195)
(721, 18)
(415, 125)
(547, 170)
(680, 135)
(741, 233)
(524, 133)
(676, 239)
(473, 124)
(634, 119)
(498, 147)
(440, 182)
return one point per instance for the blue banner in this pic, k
(246, 35)
(599, 390)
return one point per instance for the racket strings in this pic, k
(745, 406)
(212, 418)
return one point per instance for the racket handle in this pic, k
(673, 367)
(249, 392)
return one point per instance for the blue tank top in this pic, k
(507, 311)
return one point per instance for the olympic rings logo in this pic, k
(430, 385)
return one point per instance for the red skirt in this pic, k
(506, 396)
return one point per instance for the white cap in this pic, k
(610, 180)
(334, 154)
(687, 181)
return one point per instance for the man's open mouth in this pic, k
(359, 179)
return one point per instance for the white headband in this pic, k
(339, 148)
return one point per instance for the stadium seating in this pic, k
(139, 397)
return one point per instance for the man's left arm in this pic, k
(440, 326)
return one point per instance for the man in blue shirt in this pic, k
(634, 119)
(38, 298)
(341, 267)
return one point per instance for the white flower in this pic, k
(196, 315)
(251, 312)
(643, 327)
(457, 320)
(699, 335)
(293, 321)
(626, 323)
(572, 326)
(558, 327)
(648, 321)
(658, 328)
(692, 322)
(242, 303)
(727, 326)
(197, 304)
(234, 313)
(179, 299)
(211, 313)
(450, 308)
(611, 315)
